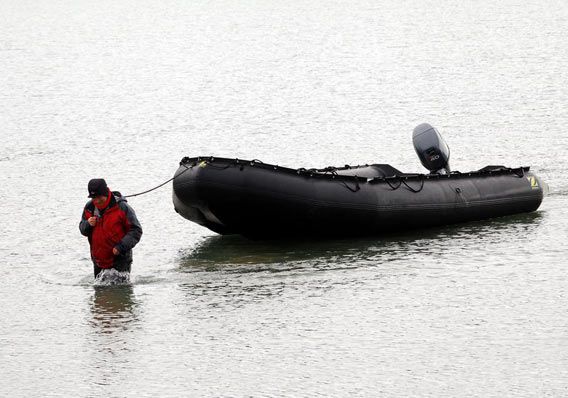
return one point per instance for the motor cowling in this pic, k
(431, 149)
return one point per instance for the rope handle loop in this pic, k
(412, 189)
(393, 187)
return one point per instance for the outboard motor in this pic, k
(431, 148)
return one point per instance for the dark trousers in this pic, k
(119, 266)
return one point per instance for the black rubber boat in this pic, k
(264, 201)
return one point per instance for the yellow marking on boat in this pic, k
(203, 164)
(534, 182)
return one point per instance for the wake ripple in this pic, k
(112, 277)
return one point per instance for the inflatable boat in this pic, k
(265, 201)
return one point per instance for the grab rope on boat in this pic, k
(412, 189)
(357, 187)
(402, 181)
(334, 175)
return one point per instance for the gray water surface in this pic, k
(123, 90)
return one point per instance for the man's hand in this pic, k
(92, 221)
(115, 251)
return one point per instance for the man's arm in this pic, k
(84, 225)
(134, 233)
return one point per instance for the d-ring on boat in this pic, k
(264, 201)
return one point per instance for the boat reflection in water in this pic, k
(233, 253)
(225, 272)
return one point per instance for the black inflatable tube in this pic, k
(264, 201)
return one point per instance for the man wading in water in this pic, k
(111, 226)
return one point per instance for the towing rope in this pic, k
(159, 186)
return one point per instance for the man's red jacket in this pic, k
(117, 226)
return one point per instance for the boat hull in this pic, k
(259, 201)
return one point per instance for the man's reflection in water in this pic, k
(114, 316)
(114, 308)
